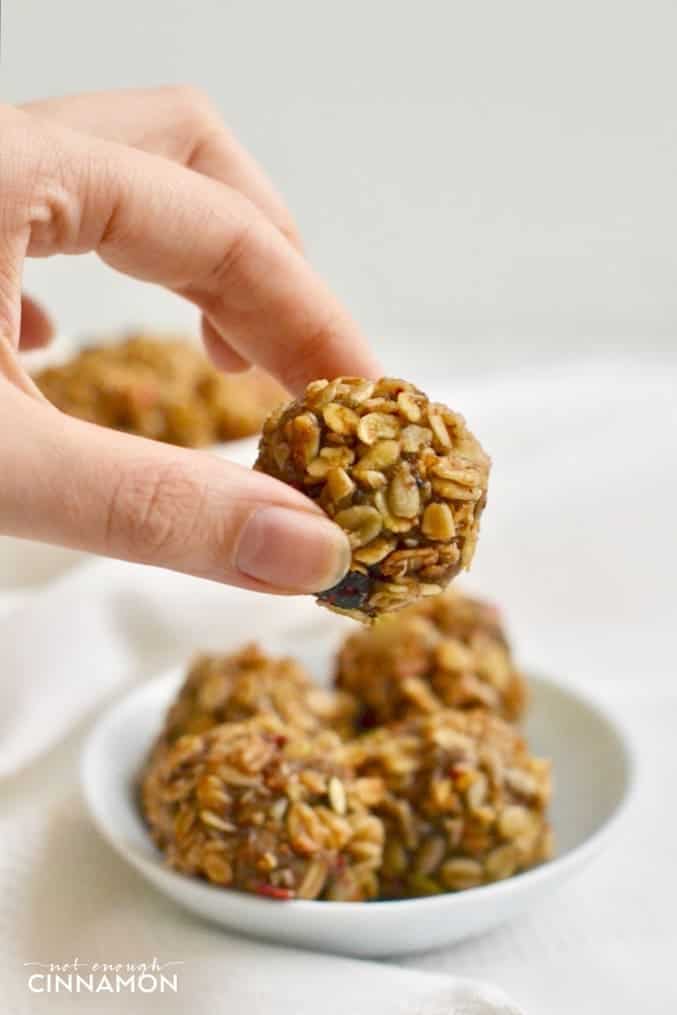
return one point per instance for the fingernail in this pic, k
(293, 550)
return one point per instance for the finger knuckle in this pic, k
(193, 103)
(43, 187)
(55, 217)
(234, 256)
(155, 512)
(310, 352)
(291, 232)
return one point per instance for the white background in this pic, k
(494, 179)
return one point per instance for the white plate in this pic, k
(593, 770)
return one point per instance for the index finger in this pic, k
(179, 123)
(162, 223)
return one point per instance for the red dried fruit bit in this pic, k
(456, 771)
(368, 719)
(351, 593)
(272, 892)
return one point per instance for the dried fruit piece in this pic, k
(350, 594)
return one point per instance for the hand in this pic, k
(154, 183)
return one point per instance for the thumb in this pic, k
(69, 482)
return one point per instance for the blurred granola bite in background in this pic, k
(464, 802)
(163, 388)
(444, 651)
(403, 476)
(256, 807)
(238, 685)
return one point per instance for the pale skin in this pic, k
(154, 182)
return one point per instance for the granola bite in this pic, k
(167, 390)
(464, 804)
(238, 685)
(403, 476)
(257, 807)
(445, 651)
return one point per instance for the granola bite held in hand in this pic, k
(403, 476)
(445, 651)
(238, 685)
(465, 802)
(256, 807)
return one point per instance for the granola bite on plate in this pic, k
(165, 389)
(238, 685)
(256, 807)
(403, 476)
(444, 651)
(465, 802)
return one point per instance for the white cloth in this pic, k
(578, 543)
